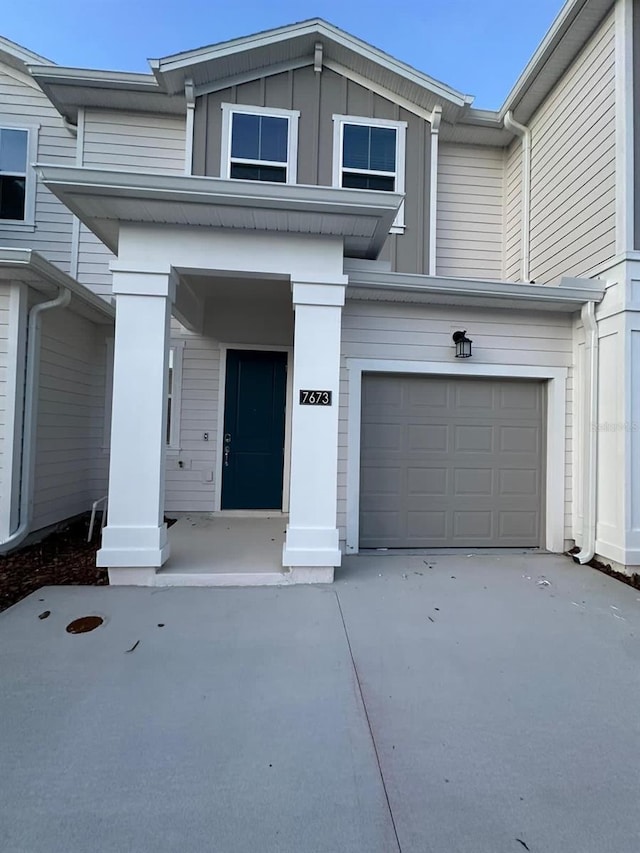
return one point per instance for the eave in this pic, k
(567, 297)
(71, 88)
(29, 267)
(103, 199)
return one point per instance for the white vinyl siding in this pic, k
(5, 440)
(192, 487)
(71, 466)
(513, 212)
(134, 141)
(402, 331)
(24, 103)
(573, 166)
(469, 211)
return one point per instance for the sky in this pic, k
(478, 47)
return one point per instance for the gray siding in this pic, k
(573, 166)
(318, 97)
(401, 331)
(22, 101)
(71, 464)
(469, 211)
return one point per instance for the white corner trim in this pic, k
(292, 141)
(436, 118)
(75, 227)
(400, 127)
(288, 410)
(624, 121)
(556, 378)
(189, 123)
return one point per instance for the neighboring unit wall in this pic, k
(573, 166)
(5, 440)
(127, 141)
(22, 102)
(409, 332)
(318, 97)
(71, 463)
(469, 211)
(513, 212)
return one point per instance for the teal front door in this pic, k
(253, 440)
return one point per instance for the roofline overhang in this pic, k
(72, 184)
(569, 296)
(314, 26)
(14, 263)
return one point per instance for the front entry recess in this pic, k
(254, 426)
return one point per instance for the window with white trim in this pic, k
(16, 175)
(369, 154)
(259, 144)
(174, 388)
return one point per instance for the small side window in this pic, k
(14, 151)
(259, 144)
(174, 388)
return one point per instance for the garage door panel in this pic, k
(473, 438)
(473, 481)
(449, 462)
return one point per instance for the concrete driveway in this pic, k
(444, 704)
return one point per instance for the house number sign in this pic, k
(315, 398)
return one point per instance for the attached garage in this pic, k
(451, 462)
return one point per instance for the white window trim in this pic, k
(400, 127)
(292, 138)
(177, 348)
(29, 221)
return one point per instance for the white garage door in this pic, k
(451, 462)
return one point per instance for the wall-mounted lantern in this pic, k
(463, 345)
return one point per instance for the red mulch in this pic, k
(63, 557)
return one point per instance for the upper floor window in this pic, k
(259, 144)
(369, 154)
(17, 179)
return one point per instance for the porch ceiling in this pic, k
(104, 199)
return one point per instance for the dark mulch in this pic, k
(63, 557)
(631, 580)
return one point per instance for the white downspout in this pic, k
(525, 134)
(436, 118)
(589, 477)
(32, 373)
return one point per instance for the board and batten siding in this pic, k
(319, 97)
(407, 332)
(573, 166)
(71, 463)
(513, 212)
(22, 102)
(469, 211)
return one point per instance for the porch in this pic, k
(209, 549)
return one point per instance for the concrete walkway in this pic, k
(428, 704)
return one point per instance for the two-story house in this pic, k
(296, 230)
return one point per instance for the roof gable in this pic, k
(294, 46)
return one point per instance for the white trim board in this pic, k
(556, 378)
(288, 407)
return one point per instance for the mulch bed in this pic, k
(63, 557)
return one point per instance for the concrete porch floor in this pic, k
(225, 550)
(424, 704)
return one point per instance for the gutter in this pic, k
(590, 483)
(32, 374)
(525, 134)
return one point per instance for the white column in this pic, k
(134, 542)
(311, 548)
